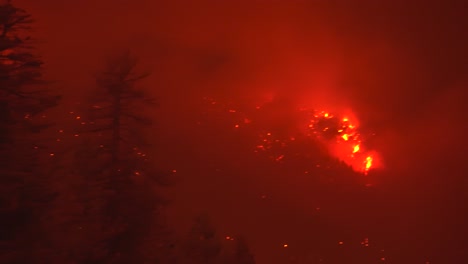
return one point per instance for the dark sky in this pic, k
(401, 66)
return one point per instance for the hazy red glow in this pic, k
(400, 71)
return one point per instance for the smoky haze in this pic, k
(399, 67)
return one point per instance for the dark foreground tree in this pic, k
(120, 124)
(111, 207)
(24, 186)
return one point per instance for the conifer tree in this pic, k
(23, 101)
(203, 245)
(114, 211)
(242, 254)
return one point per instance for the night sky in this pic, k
(400, 67)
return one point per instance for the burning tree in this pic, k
(23, 100)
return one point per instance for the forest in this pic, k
(126, 174)
(94, 200)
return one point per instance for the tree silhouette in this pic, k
(23, 99)
(117, 183)
(242, 254)
(204, 245)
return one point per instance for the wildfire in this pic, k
(356, 149)
(368, 163)
(339, 133)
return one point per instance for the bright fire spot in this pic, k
(280, 157)
(338, 133)
(368, 162)
(365, 242)
(285, 245)
(340, 243)
(355, 149)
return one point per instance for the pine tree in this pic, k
(119, 124)
(23, 100)
(203, 244)
(242, 254)
(111, 207)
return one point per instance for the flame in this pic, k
(368, 162)
(339, 133)
(356, 149)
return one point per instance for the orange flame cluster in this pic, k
(337, 132)
(344, 137)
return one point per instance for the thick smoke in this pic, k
(396, 68)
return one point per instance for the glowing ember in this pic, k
(356, 149)
(338, 133)
(368, 163)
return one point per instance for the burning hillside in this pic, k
(277, 130)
